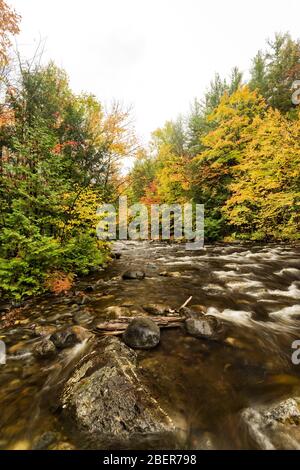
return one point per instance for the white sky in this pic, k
(156, 55)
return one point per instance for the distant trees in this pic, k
(274, 71)
(237, 152)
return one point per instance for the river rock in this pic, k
(204, 327)
(142, 333)
(133, 275)
(106, 403)
(156, 309)
(64, 339)
(44, 330)
(116, 311)
(45, 349)
(83, 318)
(45, 440)
(188, 312)
(276, 427)
(170, 274)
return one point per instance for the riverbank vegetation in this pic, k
(59, 159)
(236, 151)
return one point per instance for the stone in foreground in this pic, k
(142, 333)
(106, 403)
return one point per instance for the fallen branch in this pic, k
(186, 303)
(118, 326)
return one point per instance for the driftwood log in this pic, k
(118, 326)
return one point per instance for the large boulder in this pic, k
(142, 333)
(106, 403)
(273, 427)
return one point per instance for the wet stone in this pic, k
(205, 327)
(133, 275)
(106, 402)
(83, 318)
(46, 440)
(142, 333)
(170, 274)
(45, 330)
(64, 339)
(156, 309)
(45, 350)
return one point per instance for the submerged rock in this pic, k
(170, 274)
(274, 427)
(204, 327)
(156, 309)
(142, 333)
(117, 311)
(64, 339)
(83, 318)
(108, 405)
(45, 350)
(45, 440)
(132, 275)
(45, 330)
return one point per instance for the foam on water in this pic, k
(235, 316)
(293, 271)
(293, 292)
(286, 312)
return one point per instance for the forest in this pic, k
(236, 151)
(157, 341)
(60, 158)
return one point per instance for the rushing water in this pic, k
(204, 385)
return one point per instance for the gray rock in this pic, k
(45, 349)
(203, 327)
(106, 402)
(64, 339)
(142, 333)
(133, 275)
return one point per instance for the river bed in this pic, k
(204, 385)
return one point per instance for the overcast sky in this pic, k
(156, 55)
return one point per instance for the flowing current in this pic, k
(205, 385)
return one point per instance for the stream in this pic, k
(254, 290)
